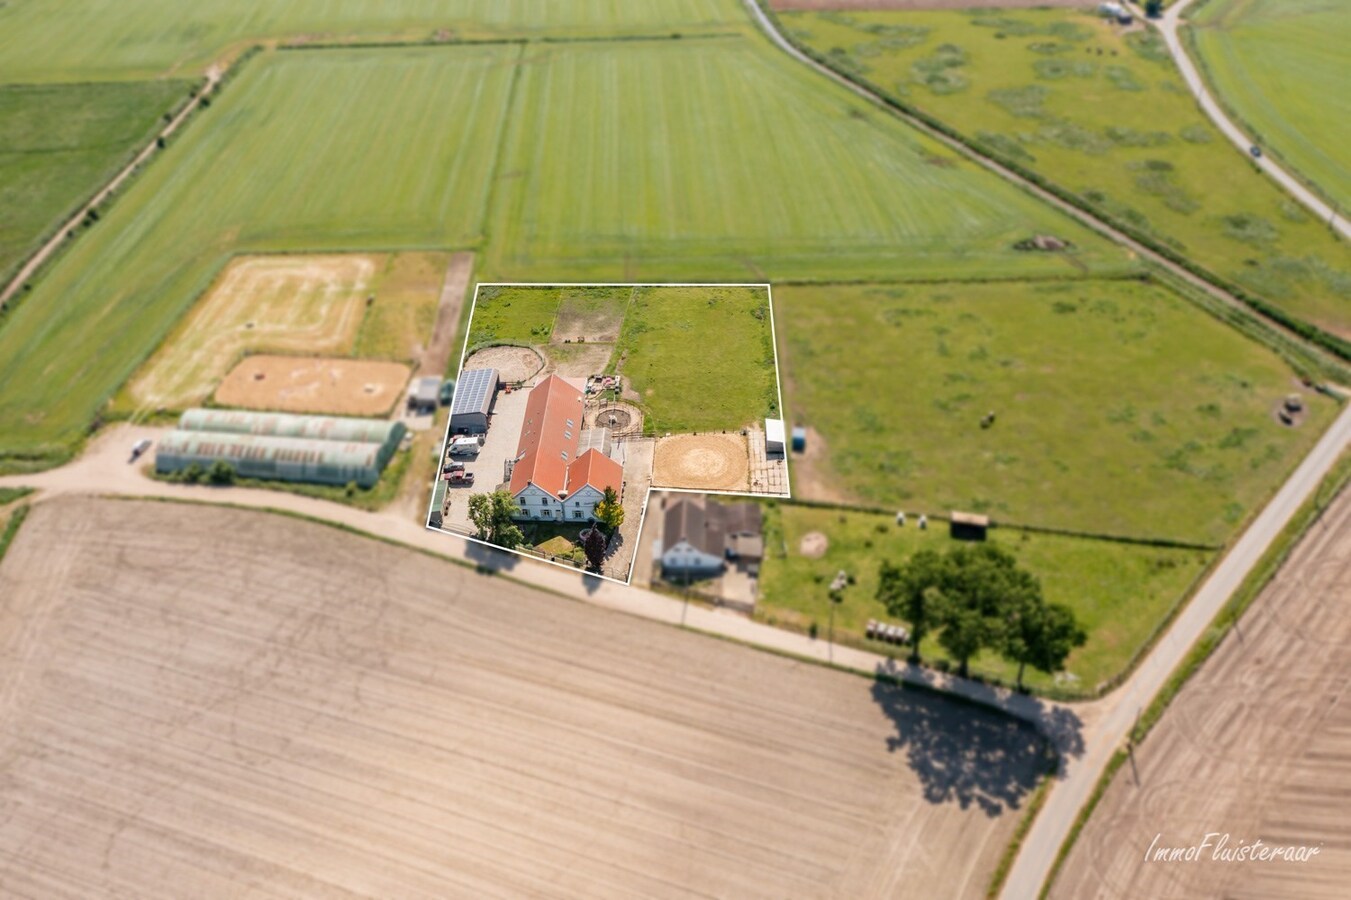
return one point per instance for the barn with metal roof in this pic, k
(474, 395)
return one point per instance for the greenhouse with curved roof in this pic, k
(281, 447)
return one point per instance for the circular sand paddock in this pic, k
(711, 462)
(628, 419)
(513, 364)
(813, 545)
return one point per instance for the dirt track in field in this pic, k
(1257, 745)
(709, 462)
(342, 387)
(204, 702)
(276, 304)
(924, 4)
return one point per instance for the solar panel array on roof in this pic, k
(474, 394)
(474, 391)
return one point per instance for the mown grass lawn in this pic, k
(513, 315)
(725, 160)
(1107, 116)
(1120, 409)
(60, 143)
(305, 151)
(700, 359)
(1283, 66)
(1119, 592)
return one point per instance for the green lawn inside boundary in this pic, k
(60, 143)
(698, 358)
(1120, 592)
(515, 314)
(1120, 408)
(1283, 67)
(725, 160)
(1105, 115)
(312, 152)
(38, 41)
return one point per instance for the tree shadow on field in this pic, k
(961, 752)
(488, 559)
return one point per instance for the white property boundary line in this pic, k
(647, 498)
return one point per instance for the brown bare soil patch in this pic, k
(266, 304)
(712, 462)
(513, 364)
(578, 360)
(813, 545)
(210, 702)
(593, 315)
(348, 387)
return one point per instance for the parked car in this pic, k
(460, 478)
(138, 449)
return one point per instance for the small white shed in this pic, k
(774, 437)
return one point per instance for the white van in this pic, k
(466, 446)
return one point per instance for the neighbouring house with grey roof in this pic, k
(699, 537)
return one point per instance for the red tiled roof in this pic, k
(596, 469)
(546, 436)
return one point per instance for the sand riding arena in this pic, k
(514, 365)
(347, 387)
(713, 462)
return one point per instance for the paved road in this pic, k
(1079, 215)
(1168, 27)
(213, 77)
(1086, 734)
(1116, 714)
(104, 470)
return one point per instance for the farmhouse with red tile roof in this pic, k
(549, 479)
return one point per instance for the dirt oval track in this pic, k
(204, 702)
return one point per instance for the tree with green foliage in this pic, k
(221, 473)
(976, 598)
(609, 511)
(1041, 635)
(492, 517)
(594, 545)
(908, 592)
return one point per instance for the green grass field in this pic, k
(60, 143)
(401, 319)
(513, 315)
(116, 39)
(312, 151)
(700, 359)
(1120, 408)
(697, 358)
(1283, 67)
(1061, 92)
(1119, 592)
(722, 159)
(334, 150)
